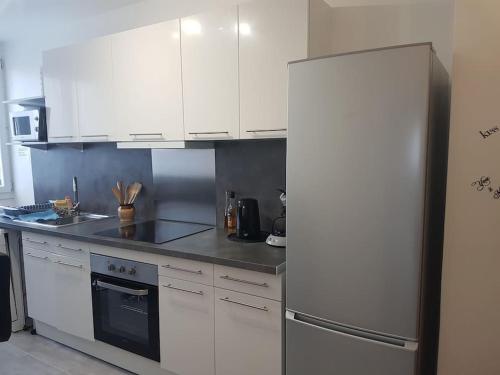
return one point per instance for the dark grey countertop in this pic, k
(210, 246)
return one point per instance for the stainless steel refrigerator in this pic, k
(366, 181)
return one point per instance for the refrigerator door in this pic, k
(318, 350)
(356, 166)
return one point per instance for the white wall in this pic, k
(23, 58)
(365, 27)
(470, 317)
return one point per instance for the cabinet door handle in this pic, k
(38, 242)
(263, 308)
(227, 277)
(95, 136)
(61, 136)
(69, 265)
(147, 135)
(266, 130)
(37, 257)
(200, 293)
(207, 133)
(199, 272)
(68, 248)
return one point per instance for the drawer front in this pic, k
(36, 241)
(248, 334)
(185, 269)
(250, 282)
(69, 248)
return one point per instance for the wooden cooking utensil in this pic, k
(117, 194)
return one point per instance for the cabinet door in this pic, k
(40, 282)
(210, 75)
(186, 327)
(93, 76)
(271, 33)
(147, 86)
(247, 334)
(60, 94)
(73, 297)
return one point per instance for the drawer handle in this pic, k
(199, 272)
(37, 257)
(200, 293)
(226, 299)
(68, 248)
(95, 136)
(38, 242)
(69, 265)
(266, 130)
(227, 277)
(207, 133)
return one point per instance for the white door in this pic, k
(248, 333)
(186, 327)
(210, 74)
(147, 86)
(93, 76)
(40, 284)
(60, 94)
(73, 297)
(272, 33)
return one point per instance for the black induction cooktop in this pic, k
(154, 231)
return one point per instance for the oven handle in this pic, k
(122, 289)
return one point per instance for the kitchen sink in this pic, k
(65, 221)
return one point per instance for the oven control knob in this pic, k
(132, 271)
(111, 267)
(122, 269)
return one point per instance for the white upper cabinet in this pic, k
(147, 85)
(210, 75)
(60, 94)
(93, 76)
(271, 33)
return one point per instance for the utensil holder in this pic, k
(126, 212)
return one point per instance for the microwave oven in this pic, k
(28, 125)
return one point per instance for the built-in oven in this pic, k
(125, 305)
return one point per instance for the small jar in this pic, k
(126, 212)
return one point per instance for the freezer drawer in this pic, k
(311, 349)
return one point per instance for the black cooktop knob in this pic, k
(122, 269)
(132, 271)
(111, 267)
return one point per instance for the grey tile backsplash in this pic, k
(178, 184)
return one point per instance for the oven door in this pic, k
(126, 315)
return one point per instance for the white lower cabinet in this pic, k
(248, 334)
(58, 291)
(39, 280)
(73, 297)
(186, 327)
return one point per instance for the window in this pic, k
(5, 178)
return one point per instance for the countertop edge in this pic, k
(143, 246)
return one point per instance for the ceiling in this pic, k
(15, 13)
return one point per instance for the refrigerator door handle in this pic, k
(358, 334)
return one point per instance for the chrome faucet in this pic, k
(76, 200)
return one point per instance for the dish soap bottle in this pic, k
(230, 213)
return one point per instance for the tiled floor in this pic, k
(25, 354)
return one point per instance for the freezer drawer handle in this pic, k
(199, 272)
(38, 242)
(226, 299)
(37, 257)
(200, 293)
(122, 289)
(334, 328)
(68, 248)
(69, 265)
(227, 277)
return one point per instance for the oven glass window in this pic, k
(126, 315)
(22, 125)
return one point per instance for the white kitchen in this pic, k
(242, 187)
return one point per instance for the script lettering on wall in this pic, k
(487, 133)
(484, 183)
